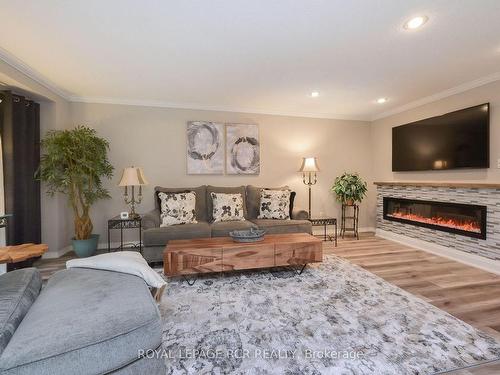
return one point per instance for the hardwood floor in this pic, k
(470, 294)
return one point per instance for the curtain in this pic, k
(20, 133)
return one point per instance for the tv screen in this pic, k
(457, 139)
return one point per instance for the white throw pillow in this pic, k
(177, 208)
(227, 207)
(130, 262)
(275, 204)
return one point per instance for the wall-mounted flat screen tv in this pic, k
(457, 139)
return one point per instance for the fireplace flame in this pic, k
(465, 225)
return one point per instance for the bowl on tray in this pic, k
(252, 235)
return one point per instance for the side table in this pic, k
(354, 218)
(325, 221)
(20, 256)
(118, 223)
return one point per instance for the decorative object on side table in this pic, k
(309, 168)
(349, 188)
(74, 163)
(130, 223)
(252, 235)
(325, 221)
(133, 176)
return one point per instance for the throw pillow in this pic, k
(177, 208)
(227, 207)
(275, 204)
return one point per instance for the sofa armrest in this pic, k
(151, 219)
(299, 214)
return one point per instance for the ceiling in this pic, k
(254, 56)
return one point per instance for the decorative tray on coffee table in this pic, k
(252, 235)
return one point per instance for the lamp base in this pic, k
(133, 215)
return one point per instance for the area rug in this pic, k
(335, 318)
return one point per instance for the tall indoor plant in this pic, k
(74, 162)
(349, 188)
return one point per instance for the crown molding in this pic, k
(20, 66)
(440, 95)
(191, 106)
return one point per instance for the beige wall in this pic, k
(381, 135)
(155, 139)
(53, 115)
(381, 138)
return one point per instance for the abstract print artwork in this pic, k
(205, 150)
(242, 149)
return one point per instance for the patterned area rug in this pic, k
(335, 318)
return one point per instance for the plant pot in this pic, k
(349, 202)
(86, 248)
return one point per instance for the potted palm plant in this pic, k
(74, 162)
(349, 188)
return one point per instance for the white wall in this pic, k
(155, 139)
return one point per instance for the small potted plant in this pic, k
(349, 188)
(74, 163)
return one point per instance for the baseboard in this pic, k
(474, 260)
(366, 229)
(100, 246)
(317, 230)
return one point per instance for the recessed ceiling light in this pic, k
(381, 100)
(314, 94)
(415, 22)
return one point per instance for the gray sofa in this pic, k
(156, 237)
(84, 321)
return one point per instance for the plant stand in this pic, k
(346, 218)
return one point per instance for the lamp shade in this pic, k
(133, 176)
(309, 165)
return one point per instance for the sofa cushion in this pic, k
(160, 236)
(273, 226)
(18, 290)
(201, 199)
(222, 228)
(228, 190)
(86, 321)
(253, 200)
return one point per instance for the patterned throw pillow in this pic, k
(177, 208)
(227, 207)
(275, 204)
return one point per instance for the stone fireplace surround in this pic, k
(442, 243)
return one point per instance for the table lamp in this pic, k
(133, 176)
(309, 168)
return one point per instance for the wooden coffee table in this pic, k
(219, 254)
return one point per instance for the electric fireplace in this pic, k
(465, 219)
